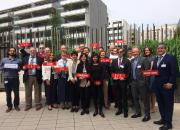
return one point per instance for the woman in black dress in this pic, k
(83, 76)
(97, 85)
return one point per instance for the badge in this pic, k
(122, 66)
(5, 82)
(139, 66)
(163, 65)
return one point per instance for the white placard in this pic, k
(11, 66)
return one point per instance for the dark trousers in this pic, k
(54, 96)
(49, 92)
(140, 91)
(12, 84)
(98, 96)
(165, 100)
(75, 94)
(121, 90)
(63, 91)
(85, 97)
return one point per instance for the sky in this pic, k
(156, 12)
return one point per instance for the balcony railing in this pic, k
(74, 12)
(74, 24)
(66, 2)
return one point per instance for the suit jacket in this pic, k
(38, 71)
(124, 69)
(142, 64)
(168, 69)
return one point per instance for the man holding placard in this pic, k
(11, 67)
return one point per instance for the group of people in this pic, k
(72, 80)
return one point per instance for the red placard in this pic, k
(119, 76)
(26, 44)
(150, 72)
(104, 60)
(95, 45)
(31, 66)
(43, 55)
(83, 75)
(61, 69)
(49, 63)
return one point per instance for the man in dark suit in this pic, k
(139, 84)
(32, 77)
(121, 65)
(164, 85)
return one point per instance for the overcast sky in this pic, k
(134, 11)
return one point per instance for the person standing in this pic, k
(139, 84)
(83, 70)
(75, 94)
(121, 66)
(148, 55)
(48, 76)
(11, 66)
(63, 88)
(165, 84)
(32, 77)
(97, 85)
(106, 77)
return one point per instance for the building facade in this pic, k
(81, 21)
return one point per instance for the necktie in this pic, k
(30, 71)
(159, 60)
(119, 63)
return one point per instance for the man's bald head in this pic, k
(135, 51)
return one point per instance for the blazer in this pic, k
(38, 75)
(124, 69)
(142, 64)
(168, 70)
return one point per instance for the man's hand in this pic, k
(168, 86)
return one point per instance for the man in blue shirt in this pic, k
(11, 67)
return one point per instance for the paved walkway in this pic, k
(59, 119)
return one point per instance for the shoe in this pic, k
(87, 111)
(125, 115)
(55, 106)
(95, 113)
(101, 114)
(72, 110)
(17, 108)
(136, 115)
(83, 112)
(27, 108)
(146, 118)
(49, 108)
(8, 109)
(76, 109)
(165, 127)
(160, 122)
(118, 112)
(38, 107)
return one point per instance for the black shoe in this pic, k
(9, 109)
(146, 118)
(95, 113)
(83, 112)
(160, 122)
(101, 114)
(87, 111)
(72, 110)
(17, 108)
(76, 110)
(136, 115)
(125, 115)
(27, 108)
(118, 112)
(165, 127)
